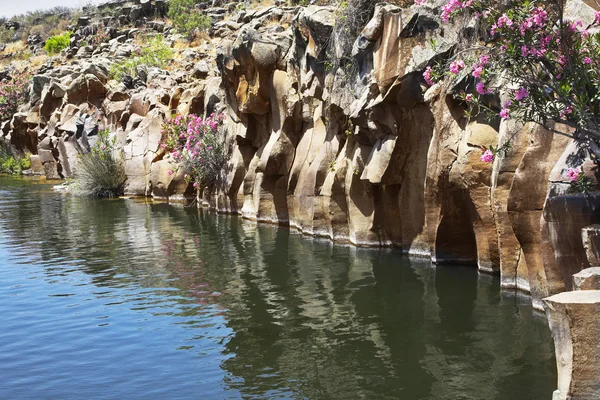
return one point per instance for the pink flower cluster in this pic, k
(456, 66)
(573, 174)
(192, 140)
(452, 7)
(487, 156)
(427, 76)
(521, 94)
(13, 94)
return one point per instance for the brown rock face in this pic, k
(575, 326)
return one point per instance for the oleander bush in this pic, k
(13, 94)
(544, 66)
(196, 143)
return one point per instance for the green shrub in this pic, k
(6, 35)
(155, 53)
(10, 164)
(101, 173)
(56, 44)
(187, 18)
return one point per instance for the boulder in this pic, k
(575, 326)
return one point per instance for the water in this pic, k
(123, 299)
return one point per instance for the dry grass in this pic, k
(14, 47)
(261, 3)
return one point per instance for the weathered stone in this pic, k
(575, 326)
(587, 279)
(167, 180)
(590, 236)
(201, 70)
(564, 218)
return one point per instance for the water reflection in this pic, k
(189, 302)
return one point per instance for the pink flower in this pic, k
(524, 51)
(587, 60)
(469, 97)
(477, 71)
(521, 94)
(456, 66)
(504, 21)
(597, 16)
(427, 76)
(573, 174)
(195, 184)
(170, 172)
(505, 114)
(480, 87)
(487, 156)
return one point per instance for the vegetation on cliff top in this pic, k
(155, 52)
(58, 43)
(186, 18)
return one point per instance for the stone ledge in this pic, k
(587, 279)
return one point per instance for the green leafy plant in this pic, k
(155, 53)
(187, 18)
(11, 164)
(332, 166)
(100, 173)
(56, 44)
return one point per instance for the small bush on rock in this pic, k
(56, 44)
(195, 142)
(187, 18)
(155, 53)
(13, 94)
(101, 173)
(351, 17)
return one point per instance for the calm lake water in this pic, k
(123, 299)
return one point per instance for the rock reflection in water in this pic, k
(253, 311)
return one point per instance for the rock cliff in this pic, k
(359, 152)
